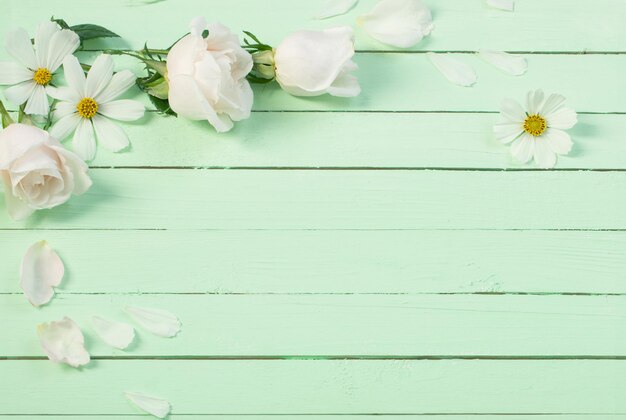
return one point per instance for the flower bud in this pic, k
(264, 64)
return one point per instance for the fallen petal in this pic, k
(400, 23)
(157, 321)
(453, 69)
(41, 270)
(115, 334)
(63, 342)
(508, 63)
(507, 5)
(151, 405)
(335, 8)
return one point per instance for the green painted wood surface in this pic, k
(322, 386)
(379, 227)
(329, 261)
(344, 325)
(339, 199)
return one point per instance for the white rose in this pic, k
(311, 63)
(38, 173)
(207, 76)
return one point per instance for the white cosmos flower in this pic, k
(88, 103)
(36, 64)
(536, 132)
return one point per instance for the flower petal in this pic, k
(12, 73)
(17, 209)
(110, 135)
(545, 158)
(399, 23)
(115, 334)
(507, 5)
(157, 321)
(65, 126)
(62, 44)
(534, 99)
(79, 169)
(332, 8)
(41, 270)
(551, 104)
(18, 45)
(523, 148)
(512, 110)
(74, 75)
(99, 75)
(63, 342)
(84, 141)
(563, 119)
(453, 69)
(559, 141)
(512, 64)
(120, 83)
(122, 110)
(507, 132)
(20, 93)
(45, 32)
(151, 405)
(38, 102)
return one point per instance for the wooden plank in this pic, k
(337, 417)
(329, 261)
(355, 140)
(342, 325)
(304, 199)
(319, 387)
(535, 25)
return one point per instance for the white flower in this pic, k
(37, 171)
(35, 64)
(86, 105)
(311, 63)
(41, 270)
(207, 76)
(399, 23)
(63, 342)
(537, 131)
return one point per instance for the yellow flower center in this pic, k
(42, 76)
(535, 125)
(87, 108)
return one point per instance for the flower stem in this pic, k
(6, 118)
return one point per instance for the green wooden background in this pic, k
(380, 257)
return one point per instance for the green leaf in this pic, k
(89, 31)
(259, 80)
(63, 24)
(162, 106)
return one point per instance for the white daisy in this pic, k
(87, 103)
(537, 131)
(35, 65)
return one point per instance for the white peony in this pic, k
(38, 173)
(207, 76)
(311, 63)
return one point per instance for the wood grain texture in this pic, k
(301, 199)
(355, 140)
(307, 262)
(341, 325)
(334, 417)
(320, 386)
(536, 25)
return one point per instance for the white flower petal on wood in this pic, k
(157, 321)
(156, 406)
(333, 8)
(63, 342)
(41, 270)
(509, 63)
(507, 5)
(115, 334)
(453, 69)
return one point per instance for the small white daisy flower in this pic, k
(87, 104)
(537, 131)
(35, 65)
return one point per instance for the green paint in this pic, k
(403, 266)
